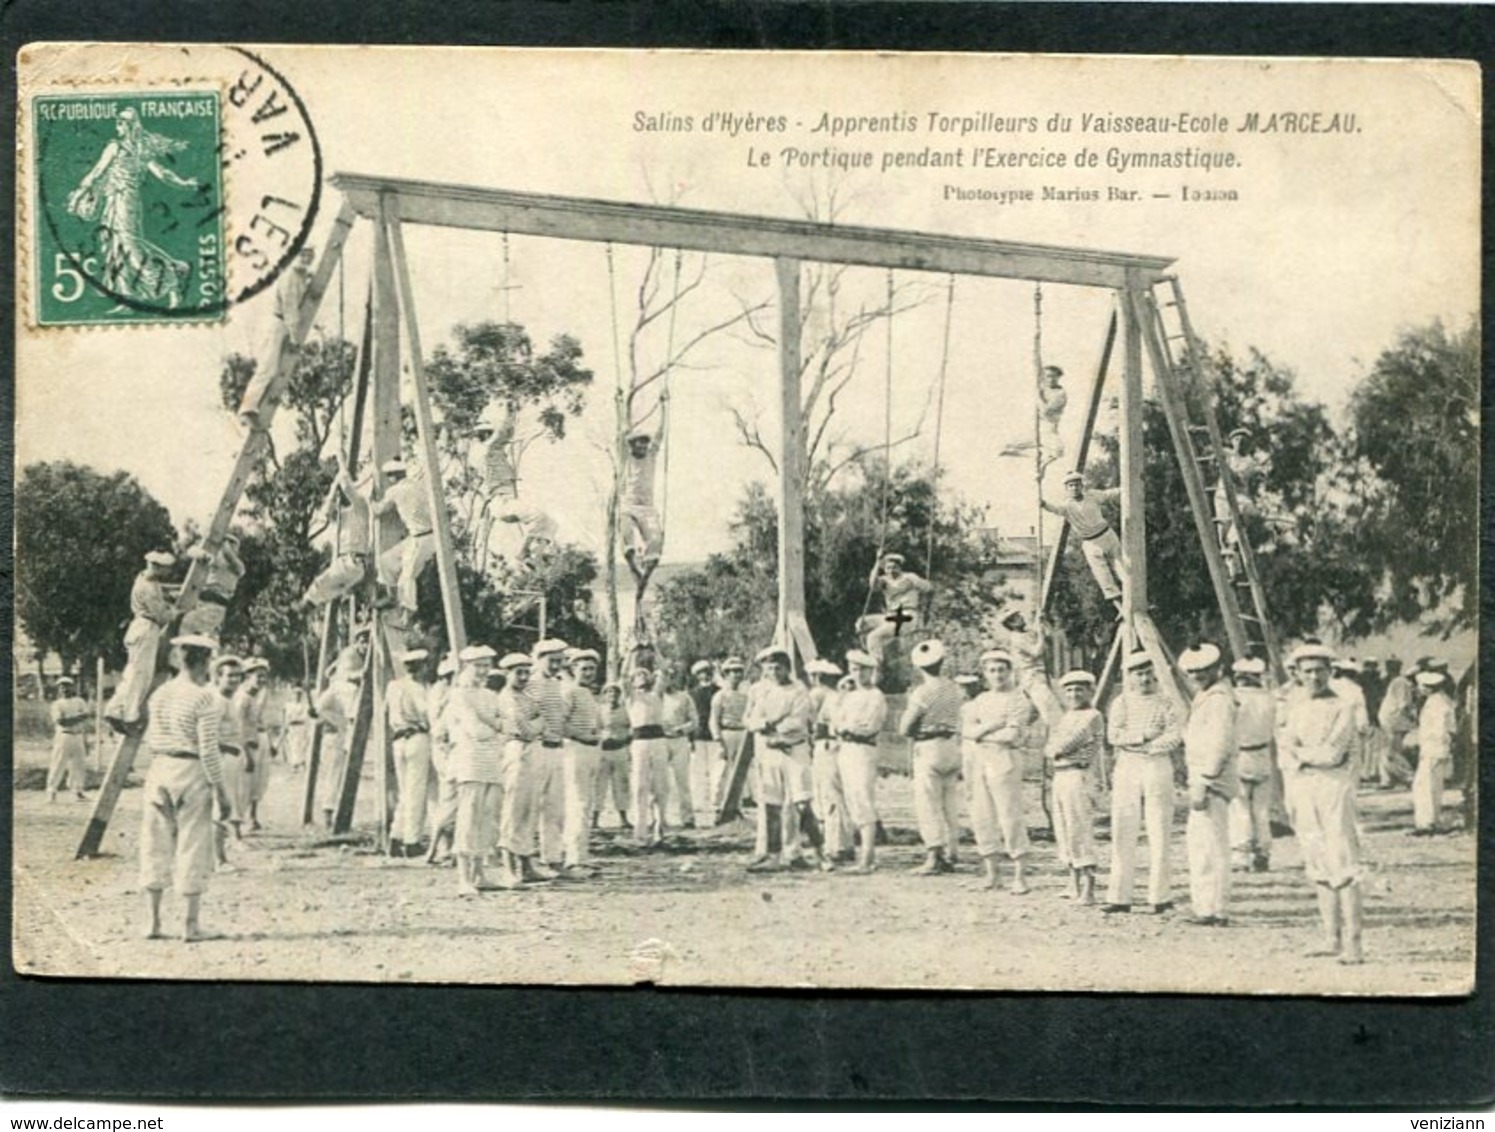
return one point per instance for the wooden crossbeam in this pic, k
(729, 233)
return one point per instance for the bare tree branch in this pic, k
(751, 436)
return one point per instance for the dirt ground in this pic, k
(302, 907)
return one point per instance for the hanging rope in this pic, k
(504, 287)
(664, 397)
(939, 424)
(612, 295)
(1038, 464)
(887, 440)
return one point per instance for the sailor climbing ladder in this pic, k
(1187, 401)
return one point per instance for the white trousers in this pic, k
(578, 779)
(1251, 821)
(1209, 856)
(997, 799)
(401, 565)
(1074, 822)
(176, 827)
(68, 753)
(611, 781)
(1103, 553)
(142, 643)
(1427, 790)
(549, 793)
(1143, 789)
(937, 793)
(343, 575)
(830, 801)
(678, 757)
(412, 776)
(333, 764)
(517, 822)
(858, 766)
(650, 771)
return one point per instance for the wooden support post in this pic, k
(108, 796)
(793, 631)
(362, 366)
(1097, 395)
(364, 719)
(446, 558)
(1132, 468)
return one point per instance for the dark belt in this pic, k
(552, 744)
(178, 754)
(726, 728)
(1071, 766)
(225, 749)
(1098, 534)
(584, 742)
(938, 733)
(419, 534)
(406, 732)
(213, 597)
(66, 731)
(860, 740)
(650, 732)
(614, 744)
(822, 731)
(1255, 747)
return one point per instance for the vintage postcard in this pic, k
(747, 520)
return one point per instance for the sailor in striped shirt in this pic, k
(994, 727)
(407, 703)
(522, 726)
(579, 763)
(184, 778)
(1144, 729)
(932, 721)
(551, 691)
(612, 766)
(473, 719)
(400, 566)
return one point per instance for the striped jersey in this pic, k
(473, 718)
(519, 711)
(1148, 724)
(584, 719)
(552, 695)
(184, 717)
(1003, 716)
(933, 706)
(1076, 738)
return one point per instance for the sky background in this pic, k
(1337, 243)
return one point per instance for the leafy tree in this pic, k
(1298, 516)
(1415, 430)
(731, 605)
(81, 537)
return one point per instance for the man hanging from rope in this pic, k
(1082, 511)
(400, 566)
(636, 501)
(1052, 401)
(537, 530)
(350, 510)
(904, 594)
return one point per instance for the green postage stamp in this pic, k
(128, 224)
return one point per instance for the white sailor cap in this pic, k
(822, 667)
(258, 664)
(548, 646)
(699, 667)
(474, 653)
(1249, 666)
(1311, 652)
(66, 680)
(160, 558)
(894, 557)
(584, 654)
(195, 641)
(447, 667)
(966, 679)
(926, 654)
(639, 433)
(733, 664)
(1136, 660)
(1197, 660)
(772, 652)
(393, 467)
(860, 658)
(411, 656)
(1345, 664)
(612, 686)
(1238, 431)
(1075, 477)
(515, 660)
(1437, 664)
(1078, 678)
(997, 654)
(1430, 679)
(228, 660)
(230, 536)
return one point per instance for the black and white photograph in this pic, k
(747, 520)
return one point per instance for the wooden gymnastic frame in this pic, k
(391, 203)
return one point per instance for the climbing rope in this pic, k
(939, 424)
(664, 400)
(1038, 464)
(887, 439)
